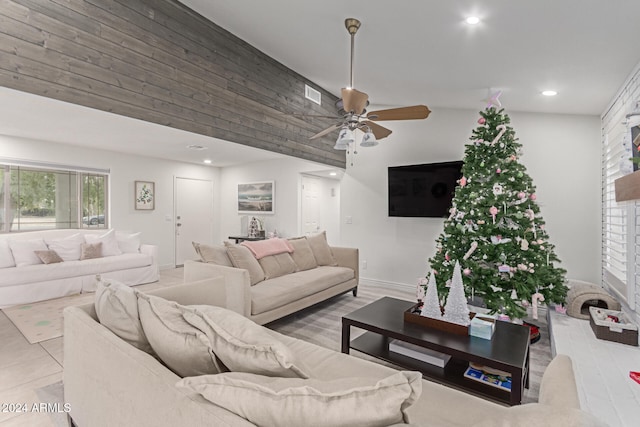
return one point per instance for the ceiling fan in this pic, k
(352, 113)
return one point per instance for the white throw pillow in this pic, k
(108, 240)
(129, 243)
(117, 309)
(23, 251)
(242, 345)
(348, 402)
(183, 348)
(68, 248)
(6, 257)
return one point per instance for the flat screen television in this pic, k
(423, 190)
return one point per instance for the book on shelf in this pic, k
(489, 376)
(420, 353)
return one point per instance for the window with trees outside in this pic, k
(33, 198)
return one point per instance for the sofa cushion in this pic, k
(23, 251)
(182, 347)
(62, 270)
(241, 344)
(117, 309)
(68, 247)
(6, 257)
(274, 293)
(109, 242)
(129, 243)
(48, 257)
(241, 257)
(537, 414)
(349, 401)
(277, 265)
(302, 254)
(213, 254)
(321, 250)
(90, 251)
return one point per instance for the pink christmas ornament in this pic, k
(463, 181)
(466, 272)
(482, 120)
(522, 195)
(533, 197)
(447, 257)
(493, 211)
(513, 158)
(498, 170)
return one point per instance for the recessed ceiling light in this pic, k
(196, 147)
(333, 173)
(472, 20)
(207, 161)
(549, 92)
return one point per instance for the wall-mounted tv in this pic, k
(423, 190)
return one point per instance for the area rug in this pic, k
(322, 325)
(42, 321)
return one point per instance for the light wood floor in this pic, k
(25, 367)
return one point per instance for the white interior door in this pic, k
(194, 216)
(310, 215)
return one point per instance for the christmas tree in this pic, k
(456, 310)
(495, 230)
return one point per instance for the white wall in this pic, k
(561, 153)
(157, 226)
(287, 176)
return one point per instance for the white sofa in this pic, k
(108, 382)
(137, 264)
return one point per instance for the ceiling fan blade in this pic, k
(327, 131)
(379, 131)
(404, 113)
(354, 100)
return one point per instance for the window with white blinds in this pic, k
(620, 234)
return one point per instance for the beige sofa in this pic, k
(272, 298)
(108, 382)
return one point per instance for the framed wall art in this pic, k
(145, 195)
(256, 197)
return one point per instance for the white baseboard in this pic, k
(374, 282)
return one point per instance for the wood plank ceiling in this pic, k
(158, 61)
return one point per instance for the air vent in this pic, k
(196, 147)
(312, 94)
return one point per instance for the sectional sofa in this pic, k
(109, 382)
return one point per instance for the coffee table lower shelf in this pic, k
(451, 375)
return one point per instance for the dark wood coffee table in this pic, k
(507, 351)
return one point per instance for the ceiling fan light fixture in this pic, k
(369, 139)
(345, 137)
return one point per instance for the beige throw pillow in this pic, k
(109, 242)
(117, 309)
(277, 265)
(241, 257)
(183, 348)
(321, 250)
(213, 254)
(348, 402)
(302, 254)
(241, 344)
(48, 257)
(90, 251)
